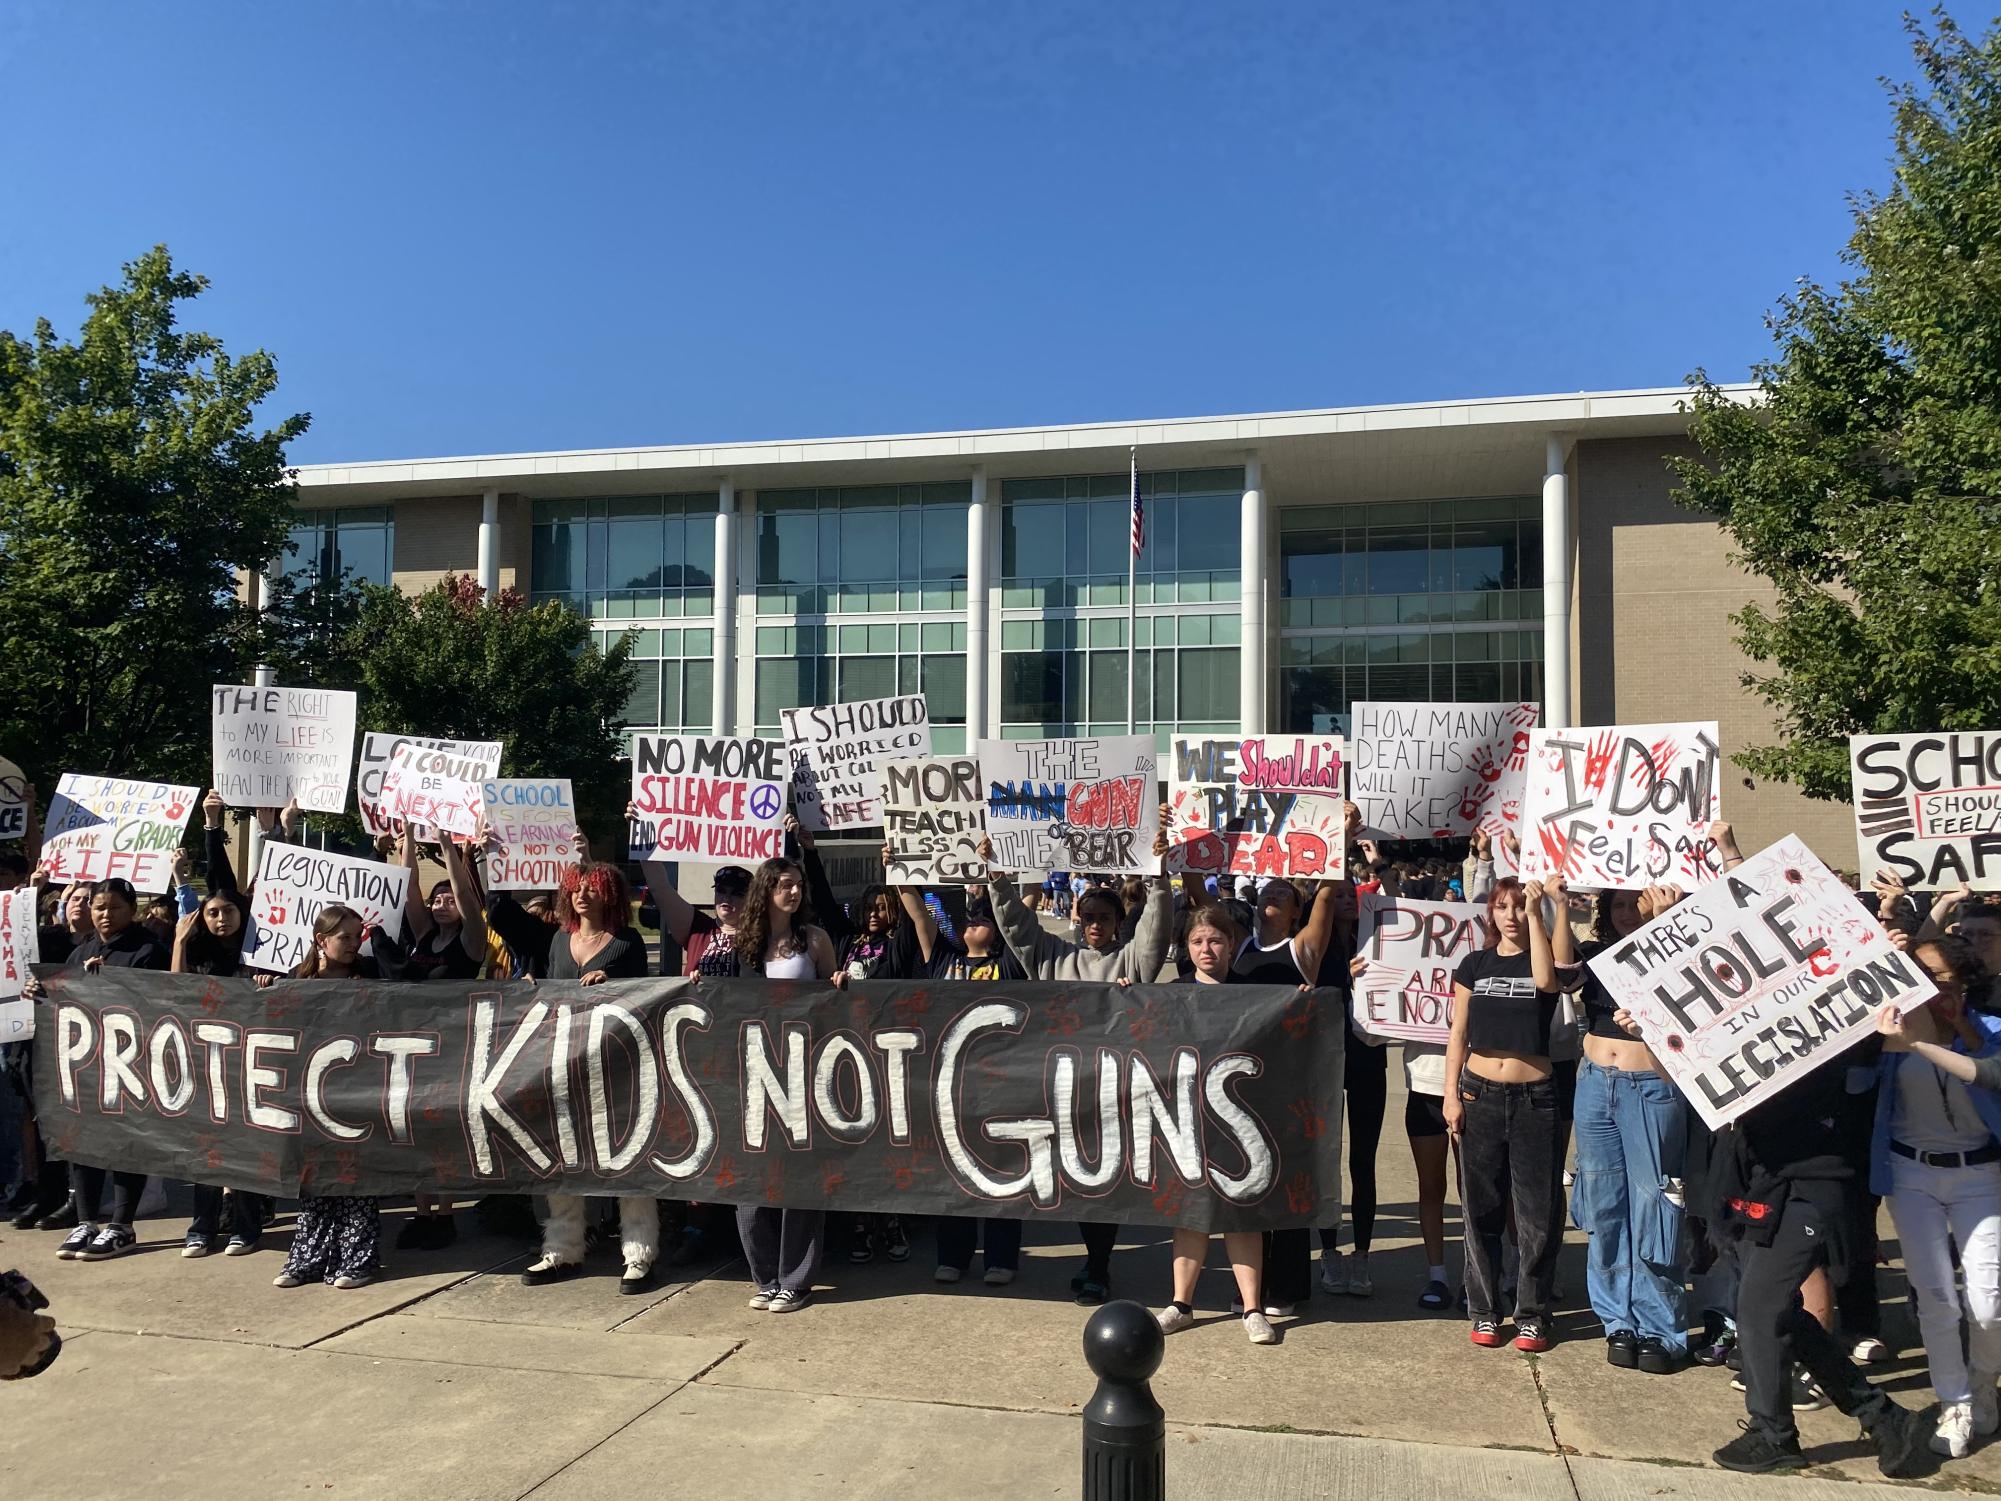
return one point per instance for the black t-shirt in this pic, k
(1507, 1013)
(430, 961)
(623, 958)
(892, 955)
(1595, 998)
(135, 947)
(54, 943)
(950, 961)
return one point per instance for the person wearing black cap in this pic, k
(708, 944)
(120, 940)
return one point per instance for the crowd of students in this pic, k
(1748, 1248)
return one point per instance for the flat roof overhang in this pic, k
(1413, 450)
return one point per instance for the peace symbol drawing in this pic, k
(764, 801)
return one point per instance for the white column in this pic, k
(1556, 552)
(724, 677)
(976, 610)
(489, 543)
(264, 677)
(1251, 687)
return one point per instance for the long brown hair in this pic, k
(753, 924)
(329, 922)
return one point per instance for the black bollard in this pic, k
(1125, 1432)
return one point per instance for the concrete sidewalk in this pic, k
(450, 1379)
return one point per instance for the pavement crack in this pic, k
(1549, 1419)
(644, 1412)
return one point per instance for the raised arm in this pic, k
(1032, 947)
(472, 912)
(1943, 906)
(819, 890)
(215, 840)
(1309, 946)
(416, 910)
(1542, 961)
(1141, 959)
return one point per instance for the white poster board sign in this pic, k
(433, 789)
(1928, 808)
(271, 745)
(1623, 808)
(295, 884)
(1089, 803)
(20, 944)
(710, 799)
(481, 760)
(1413, 949)
(1757, 979)
(1439, 771)
(1259, 805)
(534, 820)
(934, 815)
(101, 827)
(837, 753)
(13, 801)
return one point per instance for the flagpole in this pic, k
(1132, 602)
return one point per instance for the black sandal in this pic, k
(1091, 1292)
(1435, 1298)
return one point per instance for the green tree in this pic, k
(451, 663)
(1862, 483)
(134, 485)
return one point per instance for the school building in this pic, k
(1293, 563)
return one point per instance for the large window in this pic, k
(1065, 541)
(1068, 676)
(353, 542)
(676, 683)
(1322, 674)
(1411, 562)
(627, 557)
(833, 663)
(868, 548)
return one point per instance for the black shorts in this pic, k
(1423, 1115)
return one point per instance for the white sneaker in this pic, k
(1870, 1350)
(947, 1274)
(1986, 1410)
(999, 1276)
(1334, 1271)
(1955, 1430)
(1259, 1328)
(1280, 1310)
(761, 1299)
(785, 1300)
(1172, 1320)
(1360, 1284)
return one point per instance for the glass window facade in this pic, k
(1068, 676)
(825, 662)
(1064, 542)
(1437, 599)
(355, 541)
(627, 557)
(861, 549)
(676, 684)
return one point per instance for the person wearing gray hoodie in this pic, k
(1102, 958)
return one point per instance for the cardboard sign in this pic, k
(295, 884)
(934, 815)
(435, 789)
(20, 943)
(13, 801)
(482, 757)
(837, 752)
(1091, 803)
(1928, 808)
(274, 744)
(1413, 949)
(1623, 808)
(1263, 805)
(711, 799)
(535, 820)
(100, 827)
(1757, 979)
(1439, 771)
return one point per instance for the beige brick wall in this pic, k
(437, 536)
(1655, 593)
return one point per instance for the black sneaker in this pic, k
(1902, 1439)
(895, 1244)
(415, 1234)
(862, 1251)
(1754, 1453)
(62, 1217)
(1806, 1396)
(1622, 1349)
(1656, 1359)
(112, 1240)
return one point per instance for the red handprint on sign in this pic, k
(1598, 760)
(1312, 1124)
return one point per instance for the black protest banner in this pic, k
(1154, 1104)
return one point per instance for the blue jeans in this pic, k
(1631, 1132)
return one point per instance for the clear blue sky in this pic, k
(474, 225)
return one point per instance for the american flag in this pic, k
(1139, 512)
